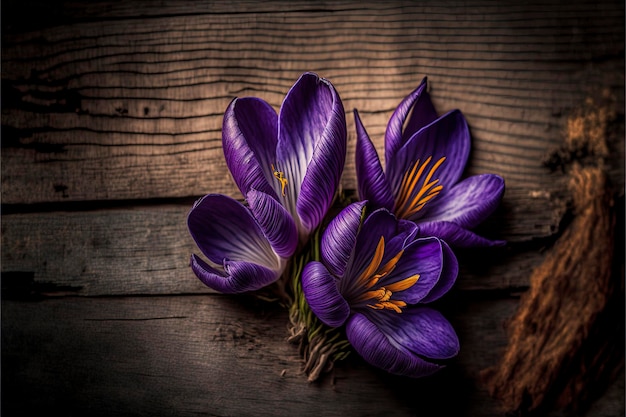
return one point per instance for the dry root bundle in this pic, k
(566, 338)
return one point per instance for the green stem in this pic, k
(320, 346)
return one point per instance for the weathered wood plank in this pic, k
(118, 100)
(145, 250)
(115, 9)
(127, 106)
(220, 356)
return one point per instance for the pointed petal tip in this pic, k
(412, 113)
(456, 236)
(371, 181)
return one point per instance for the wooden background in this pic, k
(111, 116)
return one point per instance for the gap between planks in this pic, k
(145, 249)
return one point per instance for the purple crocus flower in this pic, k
(288, 168)
(297, 156)
(374, 276)
(425, 156)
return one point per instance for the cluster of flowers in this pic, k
(381, 258)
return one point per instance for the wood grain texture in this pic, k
(111, 127)
(146, 249)
(129, 105)
(219, 356)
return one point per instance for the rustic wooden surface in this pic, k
(111, 115)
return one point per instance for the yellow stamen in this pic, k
(280, 176)
(381, 296)
(411, 200)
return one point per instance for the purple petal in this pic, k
(380, 223)
(249, 136)
(373, 344)
(237, 277)
(423, 113)
(311, 149)
(455, 235)
(339, 238)
(224, 229)
(449, 273)
(398, 130)
(423, 331)
(405, 233)
(275, 222)
(446, 137)
(370, 176)
(313, 116)
(469, 202)
(322, 295)
(423, 257)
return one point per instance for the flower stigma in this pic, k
(280, 176)
(380, 298)
(411, 199)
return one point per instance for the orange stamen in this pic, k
(404, 284)
(374, 264)
(381, 296)
(408, 201)
(280, 176)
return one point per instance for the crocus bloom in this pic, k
(373, 277)
(297, 156)
(288, 167)
(425, 156)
